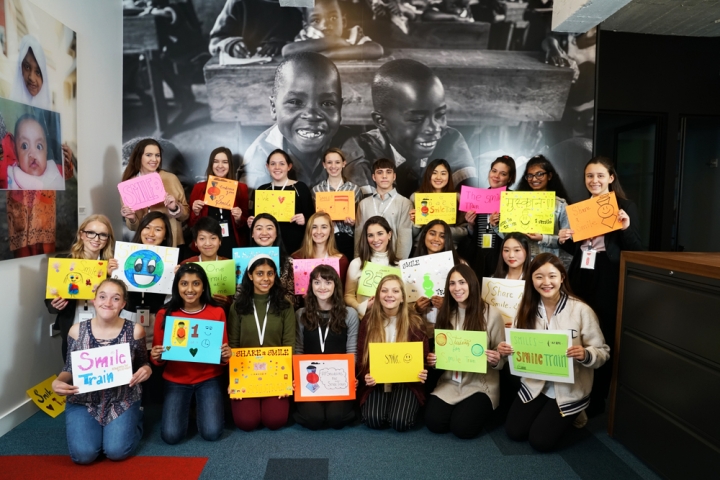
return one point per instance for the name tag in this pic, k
(588, 259)
(487, 240)
(457, 377)
(225, 229)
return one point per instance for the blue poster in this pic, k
(192, 340)
(242, 257)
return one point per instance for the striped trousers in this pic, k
(397, 409)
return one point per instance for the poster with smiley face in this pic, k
(192, 340)
(74, 278)
(594, 217)
(146, 268)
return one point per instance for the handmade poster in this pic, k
(303, 267)
(278, 203)
(192, 340)
(480, 200)
(398, 362)
(527, 212)
(242, 256)
(221, 275)
(142, 191)
(425, 276)
(371, 275)
(46, 399)
(220, 192)
(431, 206)
(461, 350)
(505, 295)
(541, 354)
(146, 268)
(74, 278)
(594, 217)
(321, 378)
(339, 205)
(261, 372)
(102, 367)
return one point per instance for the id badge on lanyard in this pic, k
(588, 259)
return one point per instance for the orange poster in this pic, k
(339, 205)
(220, 192)
(593, 217)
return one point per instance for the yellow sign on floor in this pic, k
(46, 399)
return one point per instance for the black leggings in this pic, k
(317, 415)
(538, 421)
(464, 419)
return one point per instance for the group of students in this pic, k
(335, 318)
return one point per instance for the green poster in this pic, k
(461, 351)
(221, 275)
(540, 354)
(371, 275)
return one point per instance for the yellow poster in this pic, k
(73, 278)
(220, 192)
(339, 205)
(278, 203)
(260, 372)
(431, 206)
(527, 212)
(399, 362)
(46, 399)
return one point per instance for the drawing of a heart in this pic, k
(49, 407)
(193, 351)
(281, 199)
(167, 348)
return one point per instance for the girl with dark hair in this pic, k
(325, 326)
(265, 232)
(191, 299)
(463, 401)
(319, 242)
(598, 285)
(544, 410)
(515, 259)
(261, 317)
(146, 158)
(233, 223)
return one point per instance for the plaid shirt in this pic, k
(324, 186)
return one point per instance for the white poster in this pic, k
(146, 268)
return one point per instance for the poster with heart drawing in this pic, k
(278, 203)
(192, 340)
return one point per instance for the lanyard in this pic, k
(261, 332)
(272, 185)
(216, 259)
(386, 207)
(322, 339)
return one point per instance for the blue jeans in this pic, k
(86, 437)
(176, 410)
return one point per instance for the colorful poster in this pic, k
(303, 267)
(541, 354)
(102, 367)
(371, 275)
(146, 268)
(594, 217)
(339, 205)
(505, 295)
(278, 203)
(431, 206)
(461, 351)
(74, 278)
(398, 362)
(480, 200)
(46, 399)
(527, 212)
(221, 275)
(242, 256)
(261, 372)
(425, 276)
(220, 192)
(193, 340)
(142, 191)
(323, 378)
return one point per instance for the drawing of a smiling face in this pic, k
(144, 268)
(407, 358)
(208, 330)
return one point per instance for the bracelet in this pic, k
(174, 212)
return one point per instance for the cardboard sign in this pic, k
(146, 268)
(220, 192)
(261, 372)
(324, 378)
(102, 367)
(192, 340)
(339, 205)
(541, 354)
(371, 275)
(425, 276)
(74, 278)
(302, 268)
(142, 191)
(461, 351)
(278, 203)
(594, 217)
(505, 295)
(480, 200)
(221, 275)
(46, 399)
(431, 206)
(527, 212)
(398, 362)
(242, 256)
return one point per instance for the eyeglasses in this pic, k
(538, 175)
(90, 234)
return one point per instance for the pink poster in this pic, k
(142, 191)
(303, 268)
(480, 200)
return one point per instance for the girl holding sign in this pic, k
(319, 242)
(515, 259)
(110, 420)
(325, 326)
(261, 317)
(265, 232)
(191, 299)
(389, 320)
(544, 410)
(463, 401)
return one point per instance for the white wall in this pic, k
(27, 353)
